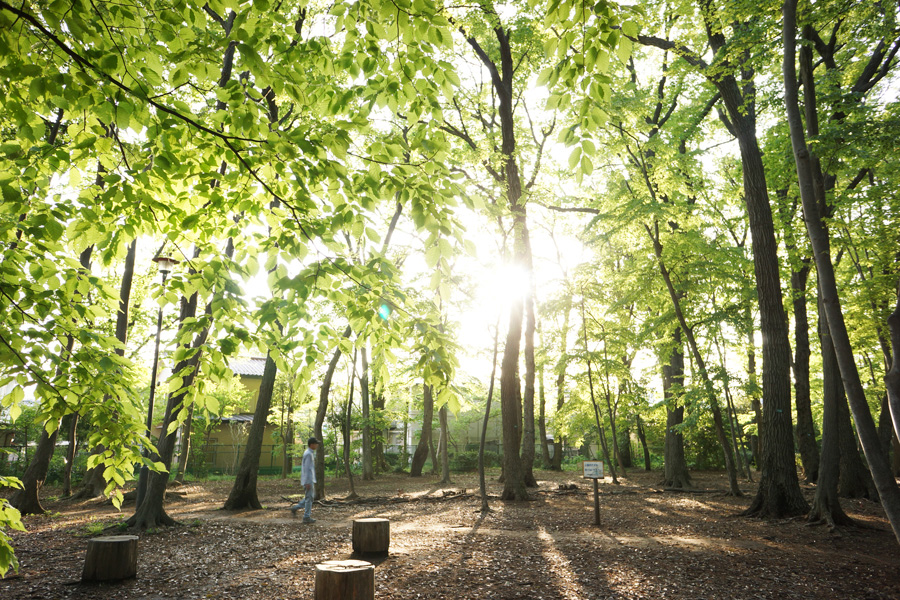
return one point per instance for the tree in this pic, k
(421, 453)
(443, 445)
(818, 235)
(778, 494)
(243, 492)
(27, 498)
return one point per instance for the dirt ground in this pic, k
(650, 544)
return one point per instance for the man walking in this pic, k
(308, 481)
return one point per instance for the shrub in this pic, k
(468, 460)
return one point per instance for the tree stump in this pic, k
(345, 580)
(371, 536)
(110, 558)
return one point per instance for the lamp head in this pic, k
(165, 263)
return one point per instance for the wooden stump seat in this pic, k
(371, 536)
(345, 580)
(110, 558)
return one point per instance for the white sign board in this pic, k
(593, 469)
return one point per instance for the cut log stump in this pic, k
(371, 536)
(110, 558)
(345, 580)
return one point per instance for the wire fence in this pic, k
(225, 459)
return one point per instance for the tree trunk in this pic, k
(560, 402)
(421, 453)
(378, 403)
(643, 438)
(346, 431)
(528, 441)
(779, 492)
(625, 449)
(287, 432)
(321, 412)
(818, 235)
(734, 424)
(542, 421)
(561, 380)
(484, 424)
(755, 404)
(185, 450)
(885, 424)
(368, 473)
(600, 433)
(737, 437)
(675, 471)
(854, 480)
(514, 485)
(896, 461)
(611, 411)
(826, 507)
(705, 381)
(70, 424)
(806, 430)
(150, 513)
(432, 452)
(243, 492)
(892, 378)
(287, 456)
(443, 444)
(93, 484)
(27, 499)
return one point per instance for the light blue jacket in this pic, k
(308, 468)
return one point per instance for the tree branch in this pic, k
(683, 51)
(88, 65)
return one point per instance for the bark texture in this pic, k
(806, 430)
(675, 471)
(421, 453)
(243, 492)
(826, 507)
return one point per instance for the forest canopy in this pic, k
(670, 214)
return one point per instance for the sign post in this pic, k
(593, 469)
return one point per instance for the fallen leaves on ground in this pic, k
(650, 544)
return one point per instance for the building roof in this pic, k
(248, 367)
(237, 419)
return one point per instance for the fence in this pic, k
(225, 459)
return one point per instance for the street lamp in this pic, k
(165, 264)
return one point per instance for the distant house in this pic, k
(7, 433)
(227, 441)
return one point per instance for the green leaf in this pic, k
(630, 28)
(623, 50)
(587, 167)
(587, 146)
(432, 255)
(544, 76)
(175, 384)
(575, 157)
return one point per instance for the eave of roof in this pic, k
(248, 367)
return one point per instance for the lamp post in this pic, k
(165, 264)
